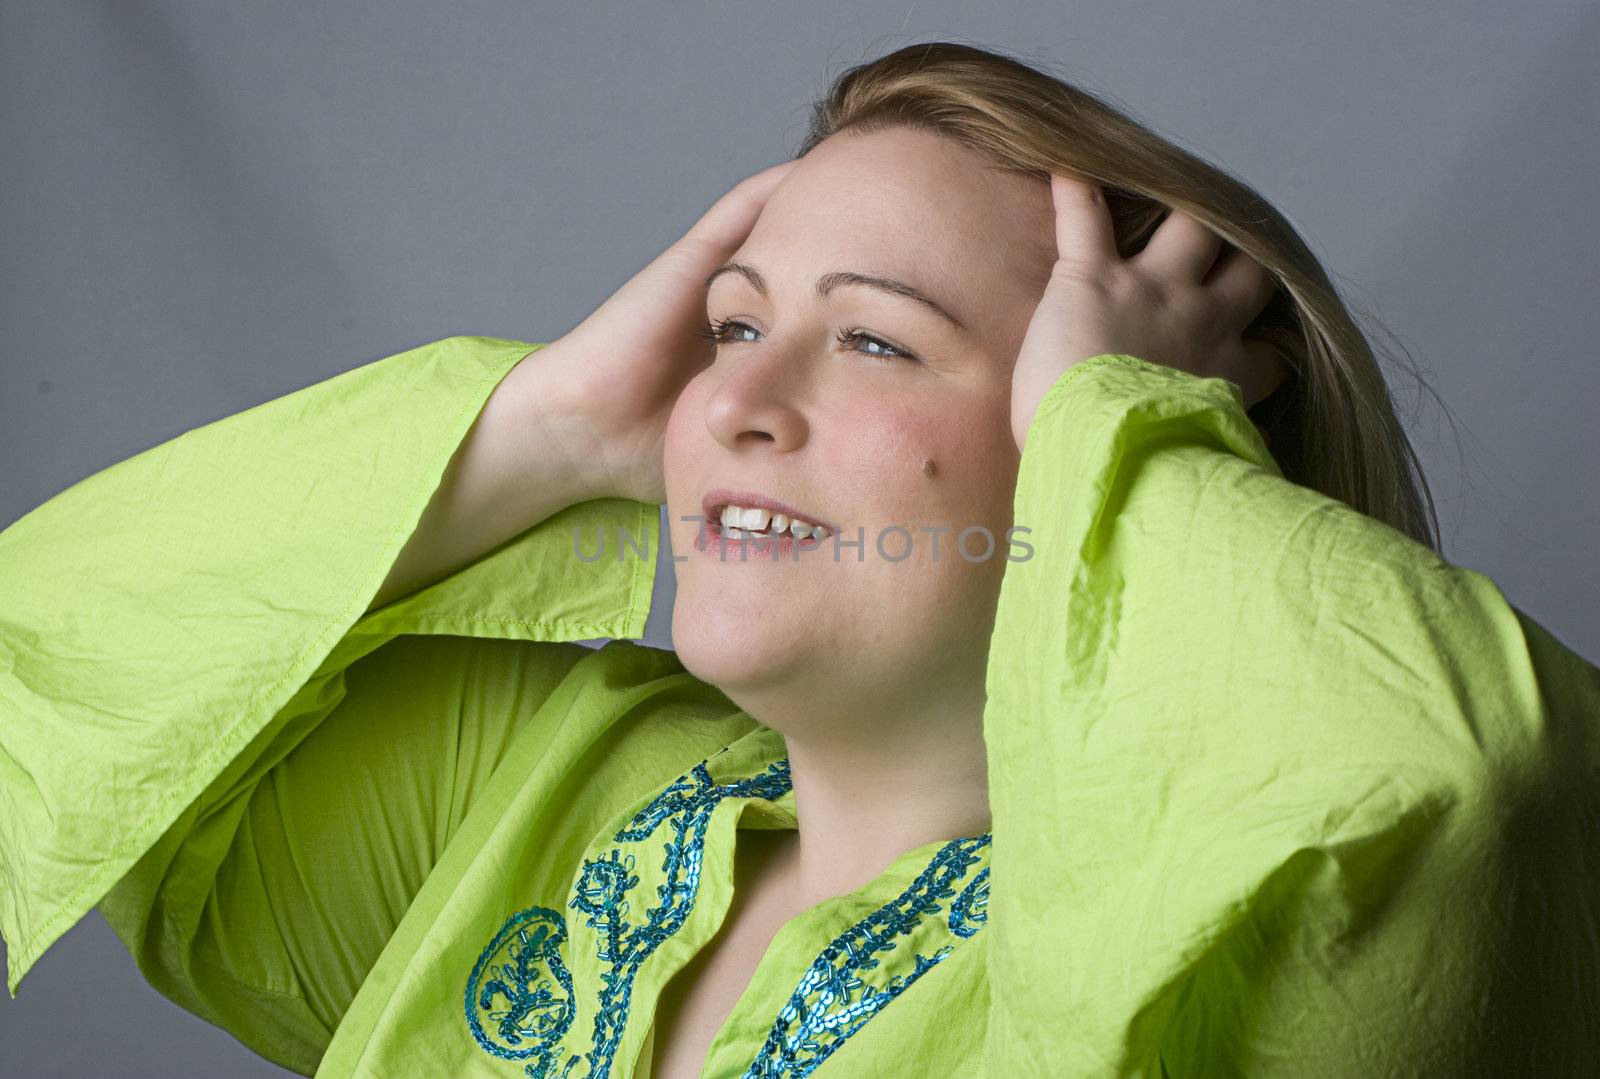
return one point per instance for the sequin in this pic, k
(519, 996)
(518, 965)
(832, 1002)
(971, 909)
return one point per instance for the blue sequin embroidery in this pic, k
(832, 1002)
(513, 967)
(519, 997)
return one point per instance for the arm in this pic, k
(177, 634)
(177, 623)
(526, 458)
(1286, 793)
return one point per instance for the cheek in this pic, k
(951, 467)
(684, 446)
(678, 439)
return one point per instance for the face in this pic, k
(893, 435)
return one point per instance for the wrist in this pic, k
(563, 440)
(1030, 389)
(1042, 392)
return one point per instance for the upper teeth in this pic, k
(738, 520)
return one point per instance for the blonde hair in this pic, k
(1331, 425)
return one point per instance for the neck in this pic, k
(868, 791)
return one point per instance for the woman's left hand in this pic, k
(1160, 305)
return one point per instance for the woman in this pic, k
(1260, 784)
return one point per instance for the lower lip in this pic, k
(719, 548)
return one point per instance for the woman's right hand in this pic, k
(626, 364)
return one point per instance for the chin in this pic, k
(737, 653)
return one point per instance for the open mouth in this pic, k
(753, 522)
(751, 515)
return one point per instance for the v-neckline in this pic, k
(750, 778)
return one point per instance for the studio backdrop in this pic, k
(208, 205)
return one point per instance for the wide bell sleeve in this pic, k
(174, 626)
(1277, 791)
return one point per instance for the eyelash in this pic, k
(719, 330)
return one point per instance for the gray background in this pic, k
(208, 205)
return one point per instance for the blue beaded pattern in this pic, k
(513, 966)
(970, 911)
(519, 996)
(832, 1002)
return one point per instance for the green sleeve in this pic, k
(176, 624)
(1277, 790)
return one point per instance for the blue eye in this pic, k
(722, 331)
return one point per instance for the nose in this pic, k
(755, 402)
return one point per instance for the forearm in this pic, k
(522, 461)
(1302, 755)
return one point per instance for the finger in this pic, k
(1182, 246)
(1084, 235)
(721, 229)
(1242, 284)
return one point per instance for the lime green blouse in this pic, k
(1276, 790)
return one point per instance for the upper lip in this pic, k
(711, 505)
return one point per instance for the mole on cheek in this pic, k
(928, 468)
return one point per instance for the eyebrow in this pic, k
(830, 281)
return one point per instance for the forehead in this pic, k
(908, 204)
